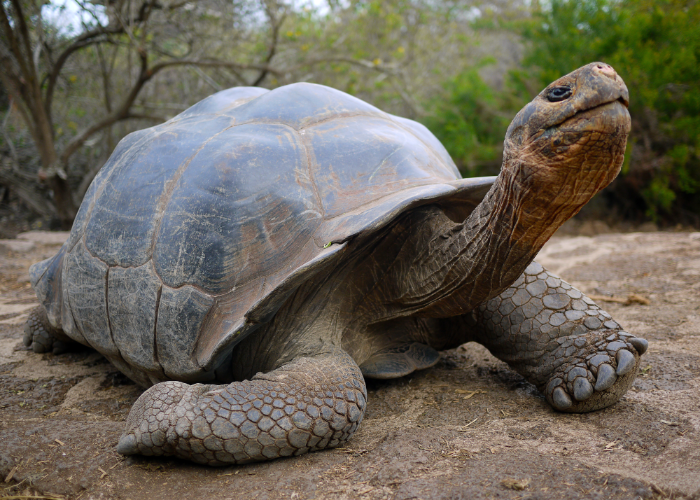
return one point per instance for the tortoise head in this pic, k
(569, 142)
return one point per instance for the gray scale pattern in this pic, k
(558, 339)
(41, 336)
(307, 405)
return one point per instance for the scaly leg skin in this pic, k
(306, 405)
(559, 340)
(42, 337)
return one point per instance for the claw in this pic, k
(606, 377)
(582, 389)
(640, 345)
(27, 335)
(625, 362)
(127, 445)
(561, 399)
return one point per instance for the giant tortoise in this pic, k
(258, 256)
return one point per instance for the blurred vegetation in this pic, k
(469, 120)
(655, 46)
(87, 75)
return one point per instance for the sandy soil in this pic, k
(484, 433)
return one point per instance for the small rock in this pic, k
(16, 246)
(648, 227)
(45, 237)
(593, 228)
(515, 484)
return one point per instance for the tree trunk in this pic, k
(51, 174)
(62, 200)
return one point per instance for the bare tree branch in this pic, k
(12, 80)
(212, 63)
(96, 35)
(13, 151)
(231, 72)
(275, 23)
(10, 35)
(143, 116)
(207, 78)
(26, 191)
(121, 113)
(19, 77)
(381, 68)
(24, 36)
(13, 65)
(135, 30)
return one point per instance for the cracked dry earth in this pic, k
(468, 428)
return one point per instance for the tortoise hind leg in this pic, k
(41, 336)
(559, 340)
(306, 405)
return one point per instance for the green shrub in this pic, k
(470, 118)
(655, 46)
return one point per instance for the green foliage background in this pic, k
(654, 45)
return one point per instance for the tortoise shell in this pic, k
(195, 231)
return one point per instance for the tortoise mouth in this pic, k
(607, 113)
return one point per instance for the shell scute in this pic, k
(132, 305)
(181, 313)
(436, 147)
(86, 279)
(222, 102)
(127, 210)
(127, 150)
(238, 212)
(361, 159)
(300, 105)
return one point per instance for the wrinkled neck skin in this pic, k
(540, 187)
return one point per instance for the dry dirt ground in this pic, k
(468, 428)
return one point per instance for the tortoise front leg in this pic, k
(306, 405)
(558, 339)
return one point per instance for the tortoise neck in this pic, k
(480, 257)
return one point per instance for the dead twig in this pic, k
(469, 394)
(659, 490)
(632, 298)
(11, 474)
(464, 427)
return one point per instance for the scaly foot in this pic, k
(598, 368)
(307, 405)
(560, 340)
(41, 336)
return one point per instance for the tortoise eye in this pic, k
(559, 94)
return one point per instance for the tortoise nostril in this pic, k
(606, 70)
